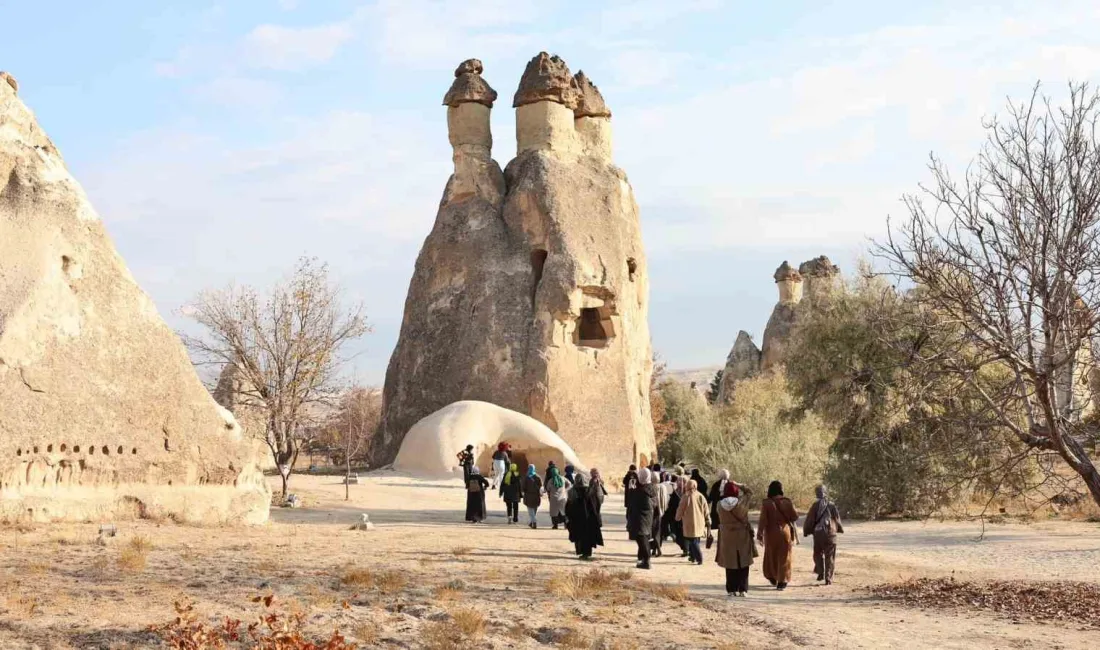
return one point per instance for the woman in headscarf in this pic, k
(466, 459)
(777, 531)
(583, 511)
(692, 513)
(557, 493)
(532, 495)
(511, 490)
(550, 466)
(700, 482)
(475, 495)
(657, 536)
(630, 483)
(823, 522)
(570, 474)
(640, 506)
(717, 489)
(675, 528)
(735, 546)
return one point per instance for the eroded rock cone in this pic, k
(100, 408)
(546, 78)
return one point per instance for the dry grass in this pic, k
(469, 621)
(596, 581)
(447, 592)
(141, 544)
(368, 633)
(387, 582)
(133, 557)
(676, 593)
(440, 635)
(20, 606)
(459, 551)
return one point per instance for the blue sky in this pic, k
(221, 141)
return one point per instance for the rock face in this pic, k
(430, 447)
(101, 413)
(742, 363)
(531, 290)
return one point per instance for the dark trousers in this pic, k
(694, 552)
(737, 580)
(824, 555)
(655, 543)
(643, 550)
(513, 510)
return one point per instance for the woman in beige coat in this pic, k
(735, 545)
(692, 512)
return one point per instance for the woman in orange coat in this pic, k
(777, 531)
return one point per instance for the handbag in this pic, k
(710, 538)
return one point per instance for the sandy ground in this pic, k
(60, 589)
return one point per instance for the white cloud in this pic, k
(293, 48)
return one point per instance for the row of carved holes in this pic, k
(106, 451)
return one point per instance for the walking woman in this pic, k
(692, 513)
(717, 489)
(583, 511)
(500, 463)
(511, 490)
(675, 528)
(777, 531)
(532, 495)
(735, 545)
(661, 488)
(640, 506)
(475, 496)
(557, 493)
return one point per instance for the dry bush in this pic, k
(567, 584)
(575, 638)
(622, 598)
(676, 593)
(470, 622)
(141, 544)
(574, 584)
(368, 633)
(387, 582)
(447, 592)
(271, 630)
(461, 550)
(133, 558)
(440, 635)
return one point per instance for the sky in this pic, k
(220, 142)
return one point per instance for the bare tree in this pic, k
(353, 425)
(286, 347)
(1009, 256)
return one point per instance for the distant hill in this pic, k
(701, 376)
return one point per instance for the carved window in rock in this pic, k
(538, 263)
(594, 328)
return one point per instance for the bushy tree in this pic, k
(715, 387)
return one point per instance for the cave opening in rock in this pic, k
(538, 263)
(631, 267)
(594, 327)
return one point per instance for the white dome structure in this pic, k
(431, 446)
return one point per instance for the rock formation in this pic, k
(101, 413)
(742, 363)
(429, 448)
(531, 290)
(799, 291)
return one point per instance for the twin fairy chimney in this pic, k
(799, 290)
(531, 290)
(101, 413)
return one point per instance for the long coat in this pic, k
(734, 537)
(640, 506)
(475, 497)
(777, 520)
(583, 511)
(714, 496)
(532, 489)
(513, 490)
(557, 496)
(692, 511)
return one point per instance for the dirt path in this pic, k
(85, 600)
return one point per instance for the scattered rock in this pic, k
(364, 523)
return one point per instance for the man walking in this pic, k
(823, 522)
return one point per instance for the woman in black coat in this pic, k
(583, 512)
(476, 485)
(640, 506)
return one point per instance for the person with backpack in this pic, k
(630, 482)
(511, 490)
(777, 532)
(823, 522)
(475, 496)
(557, 493)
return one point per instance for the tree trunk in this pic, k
(285, 476)
(347, 477)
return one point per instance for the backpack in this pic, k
(824, 522)
(473, 486)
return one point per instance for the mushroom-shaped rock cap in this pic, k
(786, 272)
(818, 267)
(590, 102)
(469, 86)
(546, 78)
(6, 76)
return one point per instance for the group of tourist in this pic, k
(663, 505)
